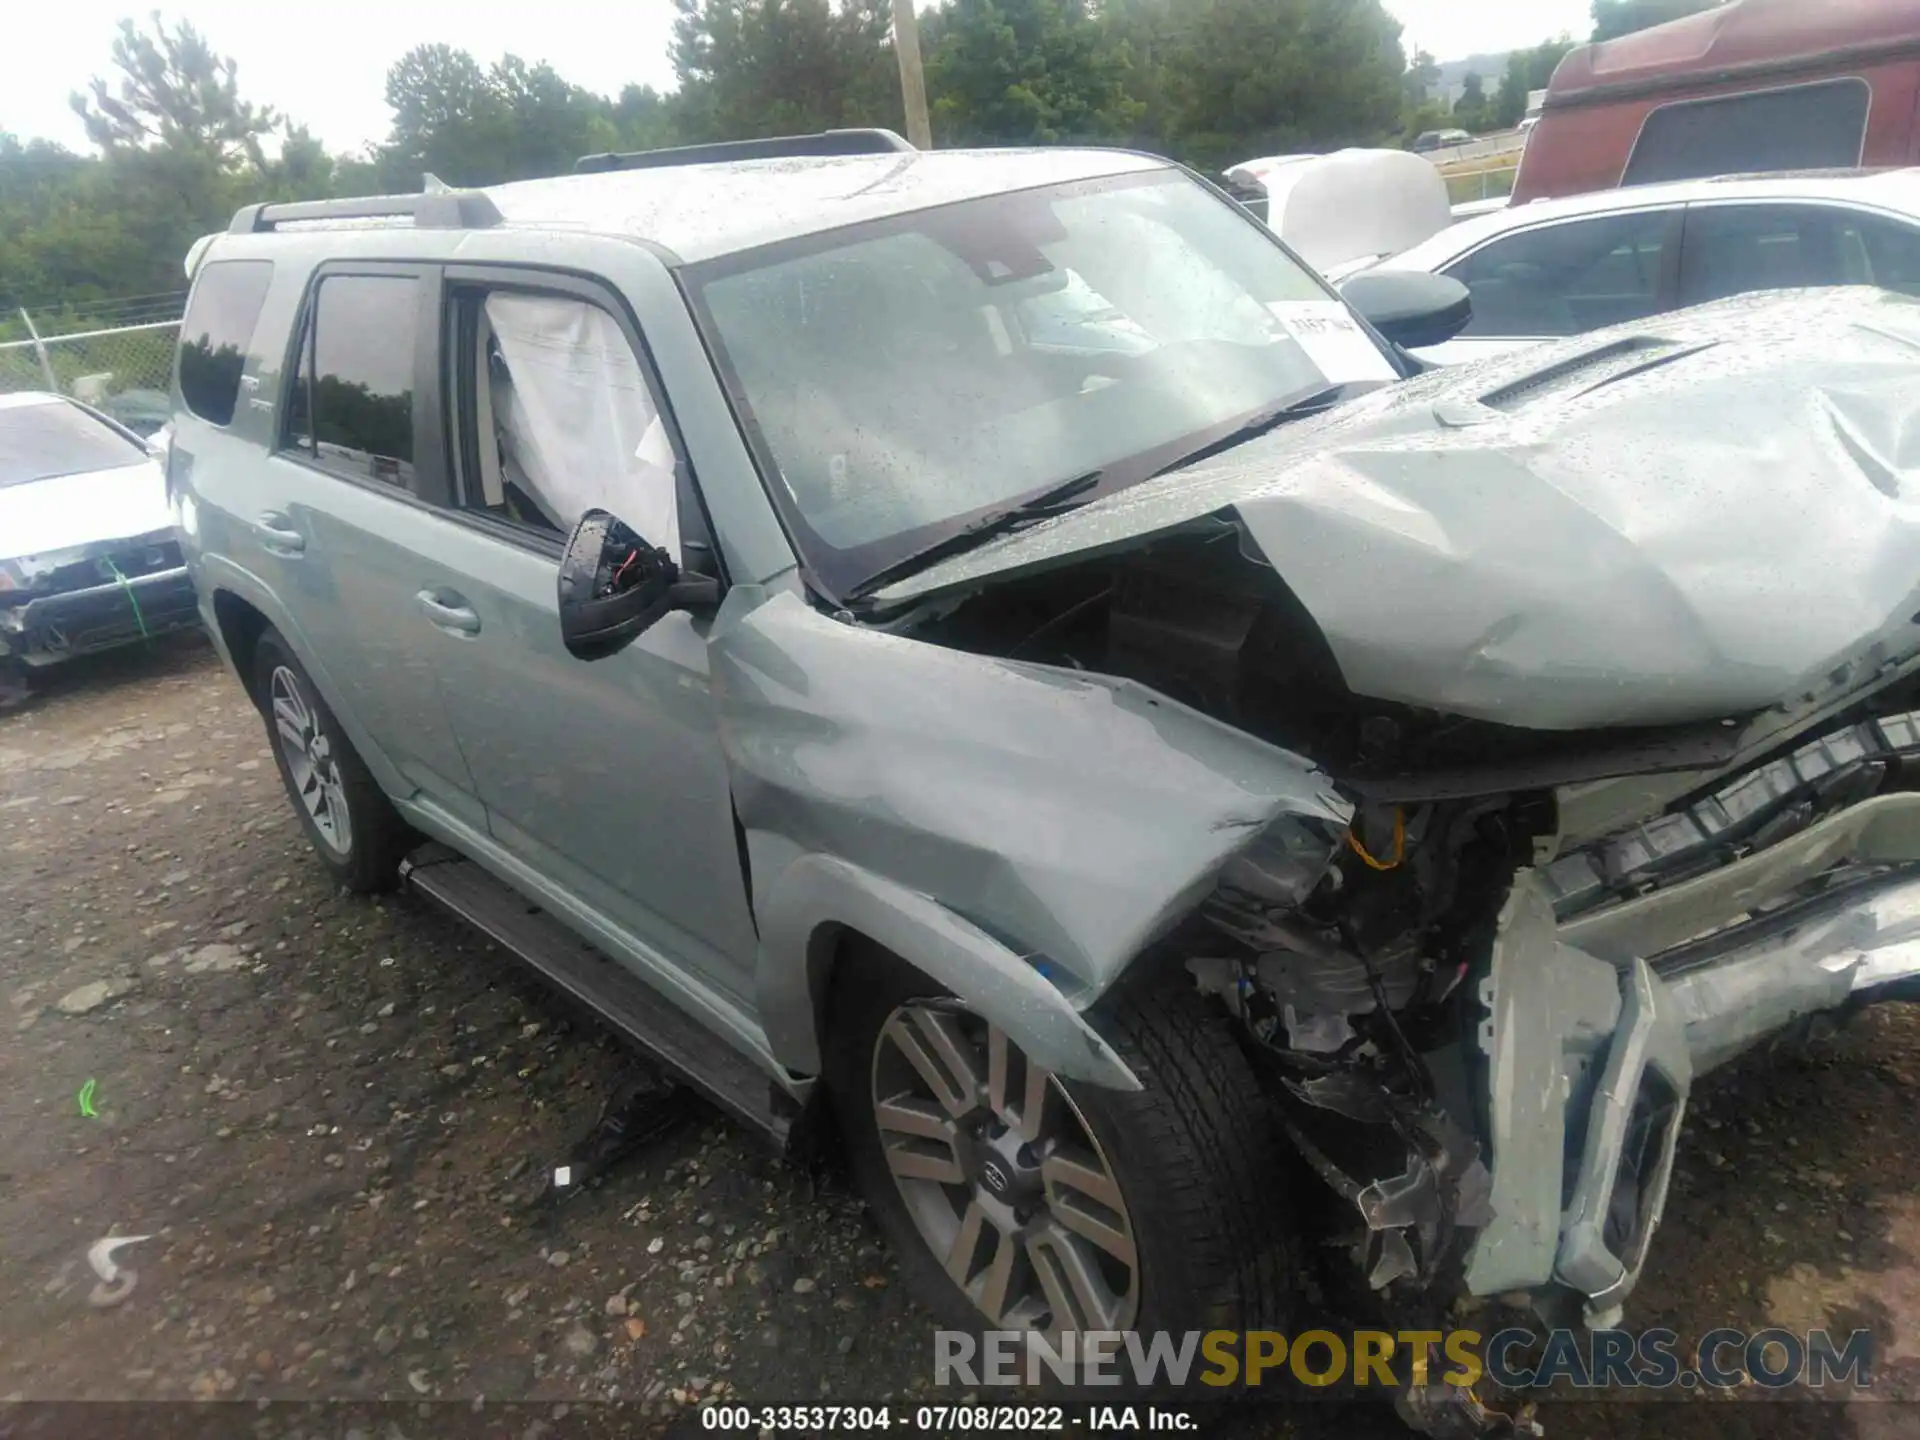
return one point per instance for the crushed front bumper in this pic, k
(1595, 1026)
(50, 627)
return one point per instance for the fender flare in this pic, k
(816, 896)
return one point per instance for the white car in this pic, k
(88, 557)
(1554, 268)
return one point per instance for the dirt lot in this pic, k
(330, 1117)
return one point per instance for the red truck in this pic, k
(1752, 85)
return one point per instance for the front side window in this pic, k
(558, 418)
(1799, 127)
(352, 403)
(217, 332)
(909, 376)
(1566, 279)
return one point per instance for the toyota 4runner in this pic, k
(990, 644)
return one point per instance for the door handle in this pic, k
(278, 534)
(451, 613)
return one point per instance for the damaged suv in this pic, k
(990, 644)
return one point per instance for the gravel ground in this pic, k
(332, 1117)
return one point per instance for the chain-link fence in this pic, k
(115, 355)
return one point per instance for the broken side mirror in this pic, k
(1410, 307)
(614, 585)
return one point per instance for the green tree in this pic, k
(750, 68)
(1527, 71)
(1614, 18)
(1027, 72)
(174, 93)
(1470, 110)
(1260, 77)
(475, 126)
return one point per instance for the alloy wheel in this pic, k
(311, 763)
(1002, 1175)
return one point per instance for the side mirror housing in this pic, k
(614, 585)
(1410, 307)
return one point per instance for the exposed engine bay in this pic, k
(1482, 1022)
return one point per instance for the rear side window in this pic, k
(1802, 127)
(218, 332)
(352, 402)
(1568, 278)
(1734, 249)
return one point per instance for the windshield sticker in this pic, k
(1333, 340)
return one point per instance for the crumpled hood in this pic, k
(44, 517)
(1701, 516)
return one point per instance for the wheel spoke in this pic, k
(290, 737)
(937, 1051)
(998, 1277)
(965, 1243)
(909, 1116)
(1032, 1120)
(997, 1065)
(1085, 1199)
(1079, 1297)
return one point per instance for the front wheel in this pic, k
(1018, 1200)
(340, 806)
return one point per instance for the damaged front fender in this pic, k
(1069, 818)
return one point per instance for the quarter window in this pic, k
(1801, 127)
(352, 402)
(1566, 279)
(218, 332)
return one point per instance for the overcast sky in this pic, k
(325, 65)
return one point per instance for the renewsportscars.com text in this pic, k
(1515, 1358)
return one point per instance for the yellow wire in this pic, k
(1399, 844)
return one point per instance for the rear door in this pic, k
(343, 520)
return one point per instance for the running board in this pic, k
(679, 1044)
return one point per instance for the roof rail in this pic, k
(826, 142)
(447, 210)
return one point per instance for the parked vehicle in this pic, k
(88, 559)
(1062, 759)
(1430, 140)
(1564, 267)
(1347, 210)
(1750, 85)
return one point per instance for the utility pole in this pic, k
(913, 84)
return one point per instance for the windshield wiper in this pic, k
(1260, 424)
(1043, 506)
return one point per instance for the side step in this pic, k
(679, 1044)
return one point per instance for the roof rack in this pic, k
(447, 210)
(826, 142)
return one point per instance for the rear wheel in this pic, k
(1019, 1200)
(347, 818)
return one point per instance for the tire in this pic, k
(1193, 1157)
(347, 818)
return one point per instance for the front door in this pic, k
(606, 776)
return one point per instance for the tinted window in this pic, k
(218, 330)
(1804, 127)
(1566, 279)
(352, 406)
(1731, 249)
(41, 440)
(1878, 251)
